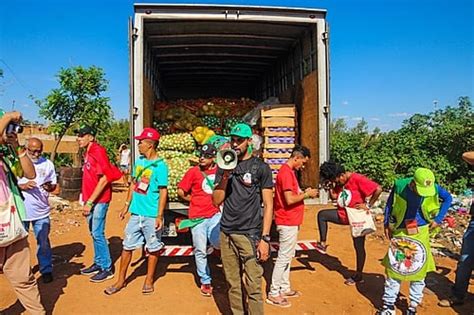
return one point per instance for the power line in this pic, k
(17, 79)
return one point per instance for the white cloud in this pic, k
(402, 114)
(345, 103)
(342, 117)
(374, 119)
(357, 118)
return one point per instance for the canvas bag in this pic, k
(360, 221)
(11, 226)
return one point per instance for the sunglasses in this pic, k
(35, 151)
(237, 140)
(206, 156)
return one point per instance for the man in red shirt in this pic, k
(97, 176)
(196, 187)
(352, 190)
(289, 209)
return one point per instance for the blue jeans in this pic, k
(96, 220)
(141, 230)
(209, 229)
(392, 288)
(465, 263)
(44, 254)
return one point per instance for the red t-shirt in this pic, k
(96, 164)
(355, 191)
(287, 215)
(201, 192)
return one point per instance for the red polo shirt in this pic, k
(96, 164)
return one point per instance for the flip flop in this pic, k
(282, 303)
(147, 290)
(352, 281)
(112, 290)
(291, 294)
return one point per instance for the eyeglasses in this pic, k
(39, 151)
(237, 140)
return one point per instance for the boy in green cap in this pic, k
(413, 208)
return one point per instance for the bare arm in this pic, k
(291, 198)
(267, 195)
(218, 195)
(375, 196)
(184, 195)
(468, 157)
(161, 207)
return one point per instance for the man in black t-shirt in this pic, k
(245, 228)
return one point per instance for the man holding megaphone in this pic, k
(243, 183)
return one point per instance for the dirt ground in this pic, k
(319, 277)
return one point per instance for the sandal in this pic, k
(278, 301)
(354, 280)
(291, 294)
(147, 289)
(112, 290)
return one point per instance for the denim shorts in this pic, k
(141, 230)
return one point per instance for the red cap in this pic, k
(150, 134)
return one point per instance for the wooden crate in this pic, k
(278, 122)
(282, 110)
(279, 145)
(268, 155)
(268, 133)
(275, 166)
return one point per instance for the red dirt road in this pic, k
(319, 278)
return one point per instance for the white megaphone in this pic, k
(227, 159)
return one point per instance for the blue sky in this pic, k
(389, 59)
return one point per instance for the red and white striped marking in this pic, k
(186, 250)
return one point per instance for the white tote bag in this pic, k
(11, 227)
(360, 221)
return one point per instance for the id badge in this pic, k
(142, 186)
(412, 226)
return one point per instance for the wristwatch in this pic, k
(266, 238)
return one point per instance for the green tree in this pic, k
(113, 137)
(78, 100)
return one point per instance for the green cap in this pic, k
(425, 182)
(241, 130)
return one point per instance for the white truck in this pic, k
(185, 51)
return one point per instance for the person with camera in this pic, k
(36, 192)
(350, 189)
(289, 209)
(14, 249)
(245, 228)
(196, 187)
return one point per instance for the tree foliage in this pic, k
(78, 100)
(435, 140)
(113, 137)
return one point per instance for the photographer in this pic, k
(14, 248)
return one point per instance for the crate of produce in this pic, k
(281, 110)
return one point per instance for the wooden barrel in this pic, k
(70, 182)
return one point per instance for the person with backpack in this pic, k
(15, 260)
(146, 201)
(196, 187)
(245, 226)
(353, 190)
(97, 177)
(416, 205)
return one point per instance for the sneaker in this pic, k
(387, 310)
(277, 301)
(47, 277)
(206, 289)
(102, 275)
(92, 270)
(321, 248)
(411, 311)
(451, 301)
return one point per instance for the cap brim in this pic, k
(426, 191)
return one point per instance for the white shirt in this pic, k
(125, 157)
(36, 199)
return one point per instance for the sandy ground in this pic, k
(319, 277)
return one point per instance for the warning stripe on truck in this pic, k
(186, 250)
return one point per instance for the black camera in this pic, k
(14, 128)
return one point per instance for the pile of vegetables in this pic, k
(182, 142)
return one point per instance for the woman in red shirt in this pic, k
(353, 189)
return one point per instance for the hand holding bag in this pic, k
(361, 222)
(11, 226)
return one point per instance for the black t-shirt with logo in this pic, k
(242, 213)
